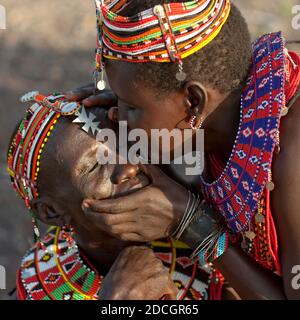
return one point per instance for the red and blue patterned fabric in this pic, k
(236, 193)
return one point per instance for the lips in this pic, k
(129, 186)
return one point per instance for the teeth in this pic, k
(30, 96)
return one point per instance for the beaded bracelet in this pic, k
(221, 245)
(206, 235)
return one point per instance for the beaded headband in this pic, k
(165, 33)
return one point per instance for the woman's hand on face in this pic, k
(138, 275)
(149, 214)
(91, 98)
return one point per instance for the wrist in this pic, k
(206, 235)
(204, 223)
(191, 206)
(179, 210)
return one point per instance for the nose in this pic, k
(123, 172)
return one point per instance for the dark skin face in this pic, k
(144, 107)
(70, 172)
(74, 174)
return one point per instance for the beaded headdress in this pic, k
(165, 33)
(24, 154)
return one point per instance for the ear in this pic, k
(47, 212)
(196, 98)
(113, 114)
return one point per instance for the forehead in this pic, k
(121, 75)
(70, 142)
(128, 85)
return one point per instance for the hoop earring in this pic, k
(194, 125)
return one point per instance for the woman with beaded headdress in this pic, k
(53, 166)
(191, 64)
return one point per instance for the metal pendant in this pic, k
(259, 218)
(101, 85)
(180, 76)
(284, 111)
(250, 235)
(270, 185)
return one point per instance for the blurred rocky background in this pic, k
(48, 46)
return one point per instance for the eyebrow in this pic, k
(82, 165)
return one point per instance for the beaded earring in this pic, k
(194, 124)
(36, 233)
(99, 62)
(67, 235)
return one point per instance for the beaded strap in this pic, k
(221, 245)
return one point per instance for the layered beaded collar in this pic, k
(58, 273)
(236, 193)
(63, 273)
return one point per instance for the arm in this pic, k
(286, 198)
(250, 280)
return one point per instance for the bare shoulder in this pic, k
(285, 199)
(287, 162)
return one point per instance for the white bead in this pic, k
(101, 85)
(158, 10)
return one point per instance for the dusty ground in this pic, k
(48, 45)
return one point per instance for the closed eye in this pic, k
(94, 167)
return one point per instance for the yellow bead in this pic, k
(38, 163)
(48, 134)
(284, 111)
(43, 145)
(37, 169)
(46, 139)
